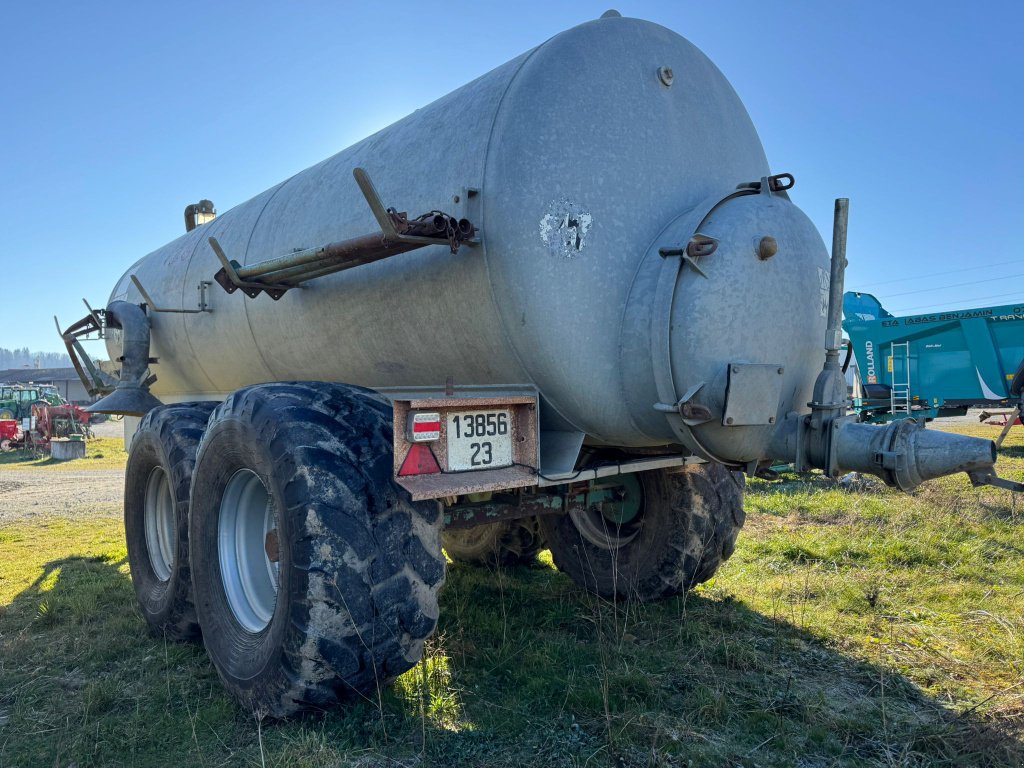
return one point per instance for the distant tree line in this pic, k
(19, 358)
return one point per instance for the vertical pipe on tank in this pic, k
(833, 337)
(829, 400)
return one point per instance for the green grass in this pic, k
(100, 453)
(868, 628)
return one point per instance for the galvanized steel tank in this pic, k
(585, 163)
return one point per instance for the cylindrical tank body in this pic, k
(584, 163)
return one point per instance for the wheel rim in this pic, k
(161, 543)
(470, 541)
(617, 519)
(246, 529)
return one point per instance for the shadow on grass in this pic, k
(23, 456)
(524, 670)
(101, 452)
(28, 459)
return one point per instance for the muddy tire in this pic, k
(156, 507)
(687, 528)
(505, 543)
(316, 575)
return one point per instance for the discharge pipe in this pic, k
(131, 396)
(903, 453)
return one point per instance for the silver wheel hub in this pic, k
(247, 547)
(159, 521)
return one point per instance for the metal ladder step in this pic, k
(899, 394)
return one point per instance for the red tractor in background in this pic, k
(50, 416)
(59, 420)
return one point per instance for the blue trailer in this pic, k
(935, 364)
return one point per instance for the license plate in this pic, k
(479, 440)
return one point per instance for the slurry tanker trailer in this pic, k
(568, 302)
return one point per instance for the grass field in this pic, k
(100, 453)
(850, 628)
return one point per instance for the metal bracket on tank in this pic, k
(398, 234)
(780, 182)
(229, 280)
(690, 412)
(203, 306)
(388, 219)
(699, 245)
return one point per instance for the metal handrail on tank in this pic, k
(398, 234)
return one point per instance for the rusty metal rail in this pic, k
(398, 234)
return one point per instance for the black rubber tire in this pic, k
(505, 543)
(167, 437)
(6, 414)
(360, 564)
(689, 524)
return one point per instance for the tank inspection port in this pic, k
(666, 76)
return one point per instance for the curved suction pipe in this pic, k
(131, 397)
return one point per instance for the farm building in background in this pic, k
(64, 379)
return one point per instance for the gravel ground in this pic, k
(109, 428)
(27, 494)
(970, 418)
(36, 493)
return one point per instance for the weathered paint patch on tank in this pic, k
(564, 228)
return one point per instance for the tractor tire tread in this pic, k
(178, 429)
(694, 532)
(368, 560)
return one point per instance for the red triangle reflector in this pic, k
(419, 461)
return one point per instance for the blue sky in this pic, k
(114, 116)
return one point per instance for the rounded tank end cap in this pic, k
(611, 13)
